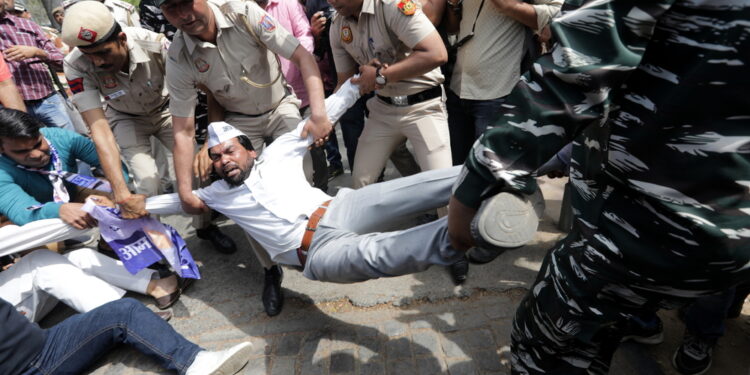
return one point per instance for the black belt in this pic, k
(239, 114)
(403, 101)
(33, 101)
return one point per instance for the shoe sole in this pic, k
(235, 362)
(506, 221)
(674, 364)
(651, 340)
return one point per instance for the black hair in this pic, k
(245, 142)
(17, 124)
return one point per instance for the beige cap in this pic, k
(87, 23)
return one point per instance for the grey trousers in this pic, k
(349, 247)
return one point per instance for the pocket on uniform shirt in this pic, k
(432, 124)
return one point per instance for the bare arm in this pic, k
(453, 14)
(132, 205)
(318, 123)
(201, 162)
(434, 10)
(342, 77)
(519, 11)
(184, 138)
(10, 97)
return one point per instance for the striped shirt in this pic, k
(31, 75)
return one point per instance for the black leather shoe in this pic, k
(273, 297)
(222, 243)
(460, 271)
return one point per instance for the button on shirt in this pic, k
(139, 92)
(382, 31)
(31, 75)
(221, 66)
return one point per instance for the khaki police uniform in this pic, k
(388, 30)
(136, 102)
(125, 13)
(225, 69)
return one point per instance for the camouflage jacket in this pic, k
(655, 96)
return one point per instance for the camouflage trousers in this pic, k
(575, 315)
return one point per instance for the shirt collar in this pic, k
(221, 23)
(368, 6)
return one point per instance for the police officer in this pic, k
(229, 48)
(399, 53)
(126, 68)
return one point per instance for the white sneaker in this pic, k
(506, 221)
(225, 362)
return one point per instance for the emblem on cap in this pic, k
(87, 35)
(267, 23)
(109, 81)
(346, 34)
(201, 65)
(407, 7)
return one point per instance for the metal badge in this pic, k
(401, 101)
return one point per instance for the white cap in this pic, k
(220, 132)
(87, 24)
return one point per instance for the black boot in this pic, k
(273, 297)
(459, 271)
(222, 243)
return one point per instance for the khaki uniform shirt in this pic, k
(235, 55)
(489, 65)
(125, 13)
(139, 92)
(384, 32)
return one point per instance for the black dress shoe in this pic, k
(460, 271)
(222, 243)
(273, 297)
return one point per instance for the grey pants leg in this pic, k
(347, 246)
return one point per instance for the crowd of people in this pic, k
(196, 106)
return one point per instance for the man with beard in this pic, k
(338, 239)
(126, 68)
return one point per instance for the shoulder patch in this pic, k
(407, 7)
(346, 34)
(266, 22)
(76, 85)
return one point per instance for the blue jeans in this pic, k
(73, 345)
(50, 111)
(467, 120)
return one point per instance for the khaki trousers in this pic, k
(424, 124)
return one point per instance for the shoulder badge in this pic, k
(266, 22)
(407, 7)
(76, 85)
(346, 34)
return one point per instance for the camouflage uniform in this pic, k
(654, 96)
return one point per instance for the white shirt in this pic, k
(275, 201)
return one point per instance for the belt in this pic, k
(407, 100)
(239, 114)
(33, 101)
(312, 225)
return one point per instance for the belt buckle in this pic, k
(400, 101)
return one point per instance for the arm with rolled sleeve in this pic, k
(345, 64)
(54, 58)
(542, 116)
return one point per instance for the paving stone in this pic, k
(451, 348)
(423, 323)
(309, 367)
(480, 338)
(398, 349)
(394, 328)
(430, 366)
(401, 367)
(461, 366)
(425, 343)
(256, 366)
(283, 365)
(487, 360)
(289, 345)
(372, 368)
(342, 362)
(366, 354)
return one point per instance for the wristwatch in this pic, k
(379, 78)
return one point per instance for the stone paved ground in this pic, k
(416, 324)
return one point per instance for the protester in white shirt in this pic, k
(271, 200)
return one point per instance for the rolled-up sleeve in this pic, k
(546, 10)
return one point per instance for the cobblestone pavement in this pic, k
(416, 324)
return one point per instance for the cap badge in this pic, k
(87, 35)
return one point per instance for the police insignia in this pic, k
(109, 81)
(87, 35)
(201, 65)
(76, 85)
(346, 34)
(407, 7)
(267, 23)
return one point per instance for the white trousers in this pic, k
(82, 279)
